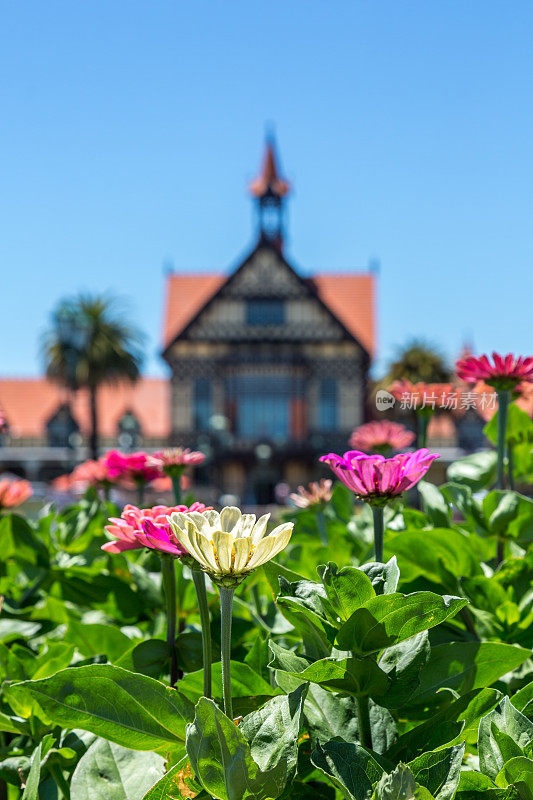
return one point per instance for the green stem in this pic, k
(201, 594)
(226, 604)
(363, 719)
(503, 404)
(322, 528)
(140, 493)
(176, 487)
(422, 426)
(377, 513)
(256, 597)
(168, 573)
(510, 467)
(59, 778)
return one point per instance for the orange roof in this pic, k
(349, 296)
(269, 179)
(28, 404)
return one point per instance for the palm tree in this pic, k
(89, 343)
(419, 362)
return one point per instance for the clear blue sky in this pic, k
(129, 129)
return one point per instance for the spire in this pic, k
(269, 190)
(269, 181)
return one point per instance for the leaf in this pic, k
(170, 786)
(31, 791)
(403, 663)
(434, 504)
(20, 543)
(347, 588)
(523, 700)
(93, 640)
(463, 666)
(439, 771)
(150, 657)
(389, 619)
(350, 767)
(519, 426)
(504, 733)
(273, 730)
(383, 577)
(129, 709)
(126, 774)
(476, 471)
(222, 761)
(451, 725)
(398, 785)
(355, 676)
(518, 772)
(317, 634)
(509, 515)
(13, 629)
(249, 690)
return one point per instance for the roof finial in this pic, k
(269, 182)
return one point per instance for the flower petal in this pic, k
(230, 517)
(243, 548)
(259, 528)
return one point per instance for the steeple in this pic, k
(269, 191)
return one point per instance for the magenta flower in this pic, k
(131, 467)
(179, 457)
(146, 527)
(381, 437)
(14, 492)
(506, 372)
(377, 479)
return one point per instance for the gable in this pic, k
(266, 275)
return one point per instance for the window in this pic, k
(327, 408)
(129, 431)
(262, 406)
(61, 427)
(265, 311)
(202, 404)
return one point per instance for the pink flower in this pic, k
(127, 467)
(14, 492)
(146, 527)
(505, 373)
(179, 457)
(422, 397)
(377, 479)
(316, 492)
(381, 436)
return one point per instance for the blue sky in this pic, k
(128, 131)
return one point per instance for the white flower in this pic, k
(229, 544)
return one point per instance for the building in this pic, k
(269, 368)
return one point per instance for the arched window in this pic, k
(129, 431)
(61, 428)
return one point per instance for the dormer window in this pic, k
(265, 311)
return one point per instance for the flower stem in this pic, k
(59, 778)
(363, 719)
(201, 595)
(322, 528)
(510, 467)
(377, 513)
(503, 404)
(422, 427)
(176, 487)
(140, 493)
(169, 587)
(226, 604)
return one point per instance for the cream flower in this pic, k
(229, 545)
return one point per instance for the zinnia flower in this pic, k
(229, 545)
(316, 492)
(377, 479)
(146, 527)
(179, 457)
(137, 467)
(506, 372)
(381, 437)
(14, 492)
(422, 397)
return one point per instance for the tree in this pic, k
(419, 362)
(91, 342)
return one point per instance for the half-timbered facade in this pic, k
(269, 368)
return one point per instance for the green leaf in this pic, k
(150, 657)
(273, 731)
(31, 791)
(476, 471)
(317, 634)
(355, 676)
(20, 543)
(132, 710)
(398, 785)
(347, 588)
(519, 426)
(222, 761)
(509, 515)
(463, 666)
(389, 619)
(170, 785)
(126, 774)
(439, 771)
(523, 700)
(518, 772)
(440, 555)
(403, 663)
(350, 767)
(451, 725)
(383, 577)
(13, 629)
(249, 690)
(93, 640)
(504, 733)
(434, 504)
